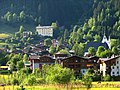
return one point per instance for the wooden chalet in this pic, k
(80, 64)
(39, 61)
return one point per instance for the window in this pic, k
(94, 60)
(77, 66)
(117, 72)
(117, 62)
(83, 71)
(117, 67)
(76, 60)
(113, 67)
(112, 72)
(71, 66)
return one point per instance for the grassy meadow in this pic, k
(44, 87)
(3, 36)
(4, 28)
(114, 85)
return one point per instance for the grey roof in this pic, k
(95, 45)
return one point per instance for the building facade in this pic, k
(110, 66)
(45, 30)
(80, 64)
(39, 61)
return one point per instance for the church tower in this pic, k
(105, 40)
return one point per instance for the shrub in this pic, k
(106, 78)
(31, 80)
(40, 81)
(87, 79)
(15, 81)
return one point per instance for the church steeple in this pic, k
(105, 40)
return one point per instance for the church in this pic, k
(105, 42)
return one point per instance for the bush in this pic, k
(31, 80)
(40, 81)
(4, 71)
(87, 79)
(106, 78)
(57, 74)
(15, 81)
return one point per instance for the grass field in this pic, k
(102, 86)
(4, 28)
(51, 88)
(3, 36)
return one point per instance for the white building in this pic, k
(110, 65)
(26, 33)
(115, 68)
(45, 30)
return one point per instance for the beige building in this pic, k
(45, 30)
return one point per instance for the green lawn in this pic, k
(10, 29)
(3, 35)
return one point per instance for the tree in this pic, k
(114, 42)
(76, 48)
(106, 53)
(25, 57)
(22, 16)
(97, 38)
(47, 42)
(20, 65)
(106, 78)
(57, 74)
(52, 50)
(115, 51)
(13, 61)
(15, 17)
(85, 28)
(81, 49)
(55, 25)
(21, 29)
(64, 51)
(66, 35)
(87, 79)
(100, 50)
(92, 50)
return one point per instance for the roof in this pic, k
(76, 57)
(44, 27)
(33, 57)
(108, 59)
(95, 45)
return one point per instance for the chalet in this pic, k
(110, 66)
(45, 30)
(80, 64)
(39, 61)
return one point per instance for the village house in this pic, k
(80, 64)
(45, 30)
(38, 61)
(110, 66)
(26, 34)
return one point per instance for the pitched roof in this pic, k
(95, 45)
